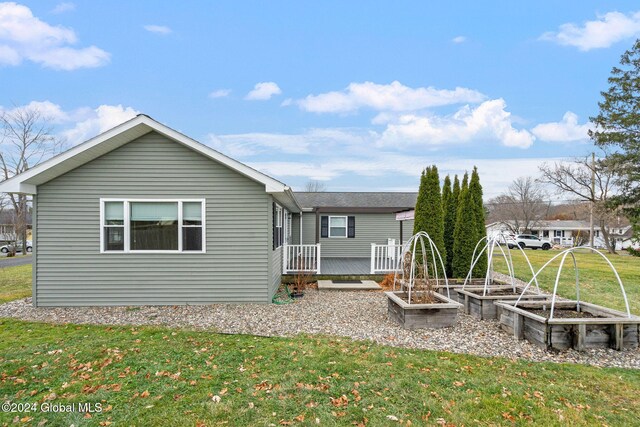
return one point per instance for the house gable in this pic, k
(123, 134)
(71, 270)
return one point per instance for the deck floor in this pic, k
(345, 266)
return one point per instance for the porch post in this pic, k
(318, 258)
(300, 235)
(285, 256)
(373, 258)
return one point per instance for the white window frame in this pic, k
(346, 227)
(127, 225)
(279, 224)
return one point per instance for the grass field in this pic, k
(154, 376)
(15, 283)
(597, 282)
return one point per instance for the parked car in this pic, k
(6, 248)
(529, 241)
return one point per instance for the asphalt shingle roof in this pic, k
(327, 199)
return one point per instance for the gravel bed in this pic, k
(358, 315)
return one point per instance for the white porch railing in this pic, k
(384, 258)
(562, 241)
(304, 258)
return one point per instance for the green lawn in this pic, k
(598, 283)
(155, 376)
(15, 283)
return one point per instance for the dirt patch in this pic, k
(490, 292)
(420, 298)
(563, 313)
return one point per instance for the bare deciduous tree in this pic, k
(522, 206)
(26, 139)
(576, 178)
(315, 186)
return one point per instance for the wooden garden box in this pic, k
(483, 306)
(605, 328)
(416, 316)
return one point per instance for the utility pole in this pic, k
(593, 196)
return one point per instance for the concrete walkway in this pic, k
(355, 285)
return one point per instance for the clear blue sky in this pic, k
(361, 95)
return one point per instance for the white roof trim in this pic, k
(26, 182)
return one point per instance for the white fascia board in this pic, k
(17, 183)
(147, 124)
(287, 199)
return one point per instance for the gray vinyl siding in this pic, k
(71, 271)
(34, 247)
(370, 228)
(309, 229)
(295, 229)
(275, 257)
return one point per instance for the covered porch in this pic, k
(308, 258)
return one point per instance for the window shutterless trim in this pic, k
(127, 225)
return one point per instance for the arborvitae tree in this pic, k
(465, 182)
(429, 216)
(475, 189)
(450, 204)
(465, 234)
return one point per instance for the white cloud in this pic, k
(81, 124)
(92, 122)
(389, 97)
(158, 29)
(489, 120)
(63, 7)
(50, 112)
(459, 39)
(566, 130)
(495, 174)
(249, 144)
(25, 37)
(220, 93)
(263, 91)
(608, 29)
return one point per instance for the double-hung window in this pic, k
(152, 225)
(113, 231)
(278, 235)
(337, 226)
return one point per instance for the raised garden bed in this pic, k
(574, 325)
(481, 305)
(440, 314)
(459, 285)
(454, 285)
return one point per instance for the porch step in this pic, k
(356, 285)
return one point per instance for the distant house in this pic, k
(143, 214)
(558, 232)
(623, 237)
(7, 226)
(571, 233)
